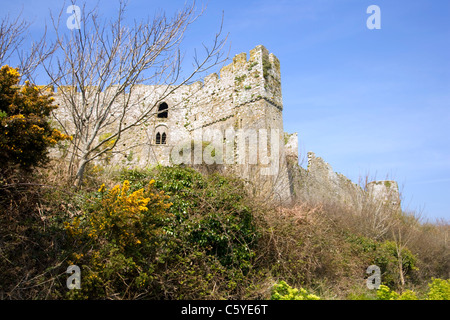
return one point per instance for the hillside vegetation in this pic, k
(174, 233)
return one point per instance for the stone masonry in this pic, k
(245, 99)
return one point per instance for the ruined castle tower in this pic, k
(231, 122)
(386, 191)
(245, 99)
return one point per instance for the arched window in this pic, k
(163, 110)
(161, 134)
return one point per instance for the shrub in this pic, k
(439, 289)
(384, 293)
(26, 134)
(283, 291)
(211, 212)
(384, 255)
(117, 239)
(387, 258)
(132, 243)
(408, 295)
(28, 240)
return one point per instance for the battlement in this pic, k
(243, 80)
(256, 77)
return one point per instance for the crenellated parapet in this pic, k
(242, 81)
(254, 78)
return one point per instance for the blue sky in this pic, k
(370, 102)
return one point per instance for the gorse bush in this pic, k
(28, 237)
(117, 239)
(123, 217)
(26, 133)
(133, 242)
(210, 212)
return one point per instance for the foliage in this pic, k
(28, 237)
(175, 233)
(26, 134)
(384, 255)
(384, 293)
(283, 291)
(117, 238)
(132, 243)
(210, 212)
(29, 240)
(439, 289)
(408, 295)
(388, 259)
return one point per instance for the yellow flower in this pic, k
(125, 187)
(11, 71)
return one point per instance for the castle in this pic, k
(240, 116)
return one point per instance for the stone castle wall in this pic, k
(246, 96)
(319, 184)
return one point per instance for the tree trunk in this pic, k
(400, 270)
(80, 173)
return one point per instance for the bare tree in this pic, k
(99, 68)
(12, 37)
(403, 231)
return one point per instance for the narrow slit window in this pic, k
(163, 138)
(158, 138)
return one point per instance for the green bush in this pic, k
(133, 243)
(385, 293)
(283, 291)
(387, 259)
(439, 289)
(408, 295)
(384, 255)
(116, 241)
(210, 212)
